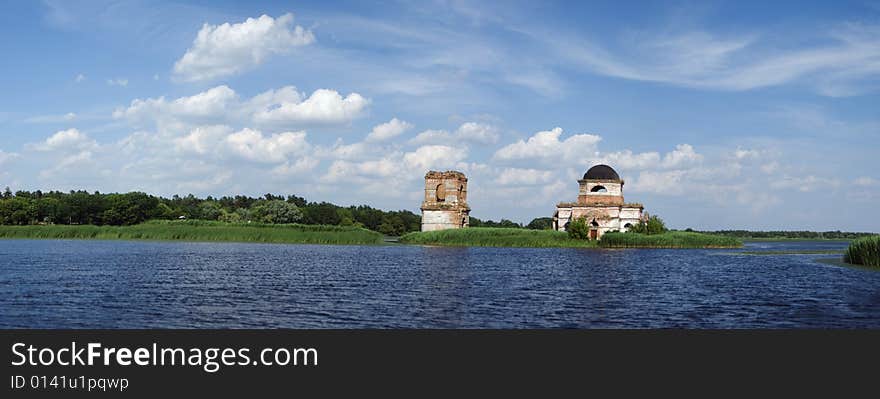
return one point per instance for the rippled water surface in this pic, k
(126, 284)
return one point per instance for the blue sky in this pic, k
(717, 114)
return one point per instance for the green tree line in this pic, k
(82, 207)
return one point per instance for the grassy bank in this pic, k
(194, 230)
(672, 239)
(864, 251)
(496, 237)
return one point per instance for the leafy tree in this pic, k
(653, 225)
(540, 224)
(321, 213)
(277, 211)
(209, 210)
(579, 229)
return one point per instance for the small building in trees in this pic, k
(445, 205)
(600, 202)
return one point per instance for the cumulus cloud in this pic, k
(229, 49)
(469, 132)
(322, 107)
(212, 103)
(430, 157)
(431, 136)
(480, 133)
(202, 140)
(341, 171)
(388, 130)
(66, 140)
(6, 157)
(252, 145)
(546, 146)
(297, 167)
(682, 155)
(218, 104)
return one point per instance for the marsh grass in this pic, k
(863, 251)
(196, 230)
(672, 239)
(496, 237)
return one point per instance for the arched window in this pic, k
(441, 192)
(594, 223)
(599, 189)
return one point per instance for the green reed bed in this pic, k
(496, 237)
(863, 251)
(672, 239)
(201, 231)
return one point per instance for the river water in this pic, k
(140, 284)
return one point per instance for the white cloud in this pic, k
(546, 146)
(865, 181)
(79, 78)
(66, 140)
(469, 132)
(433, 157)
(480, 133)
(322, 107)
(275, 107)
(253, 146)
(202, 140)
(229, 49)
(215, 103)
(122, 82)
(431, 137)
(683, 155)
(388, 130)
(804, 184)
(6, 157)
(342, 171)
(297, 167)
(70, 116)
(848, 56)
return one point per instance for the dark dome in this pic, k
(601, 172)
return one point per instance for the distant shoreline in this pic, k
(212, 231)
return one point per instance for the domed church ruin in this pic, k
(600, 202)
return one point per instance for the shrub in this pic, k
(578, 229)
(653, 225)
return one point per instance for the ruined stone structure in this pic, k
(445, 205)
(600, 201)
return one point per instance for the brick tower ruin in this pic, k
(445, 205)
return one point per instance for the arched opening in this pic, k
(566, 225)
(628, 225)
(594, 223)
(460, 190)
(441, 192)
(599, 189)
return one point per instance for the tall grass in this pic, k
(496, 237)
(672, 239)
(863, 251)
(191, 230)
